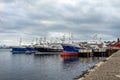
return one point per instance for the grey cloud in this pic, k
(30, 19)
(7, 1)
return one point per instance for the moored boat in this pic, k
(47, 49)
(23, 49)
(70, 50)
(18, 50)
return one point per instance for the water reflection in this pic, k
(42, 67)
(69, 63)
(70, 59)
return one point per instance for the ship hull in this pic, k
(69, 53)
(44, 49)
(23, 50)
(69, 50)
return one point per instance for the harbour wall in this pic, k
(108, 69)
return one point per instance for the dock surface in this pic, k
(108, 70)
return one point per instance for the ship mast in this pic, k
(20, 42)
(63, 38)
(71, 38)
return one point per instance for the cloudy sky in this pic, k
(30, 19)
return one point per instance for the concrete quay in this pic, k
(108, 69)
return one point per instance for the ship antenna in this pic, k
(32, 42)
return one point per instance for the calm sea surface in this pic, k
(42, 67)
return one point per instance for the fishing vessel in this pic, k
(18, 50)
(23, 49)
(69, 50)
(48, 49)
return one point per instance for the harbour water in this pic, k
(42, 67)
